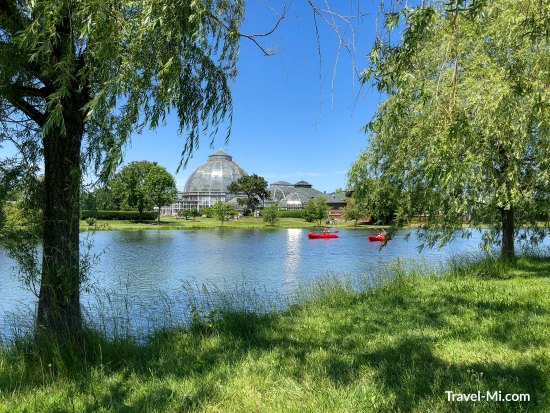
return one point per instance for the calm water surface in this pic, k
(145, 265)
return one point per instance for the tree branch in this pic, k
(252, 37)
(28, 109)
(31, 91)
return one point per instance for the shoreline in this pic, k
(211, 223)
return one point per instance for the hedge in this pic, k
(119, 215)
(297, 213)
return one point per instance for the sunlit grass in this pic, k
(483, 326)
(168, 223)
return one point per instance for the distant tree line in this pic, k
(139, 186)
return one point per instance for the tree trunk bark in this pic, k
(507, 251)
(59, 300)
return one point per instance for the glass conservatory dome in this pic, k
(215, 175)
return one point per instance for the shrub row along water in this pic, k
(119, 215)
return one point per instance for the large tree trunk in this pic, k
(507, 251)
(59, 300)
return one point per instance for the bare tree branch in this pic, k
(343, 27)
(252, 37)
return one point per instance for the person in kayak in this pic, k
(325, 231)
(383, 233)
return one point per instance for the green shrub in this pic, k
(119, 215)
(270, 215)
(91, 221)
(292, 214)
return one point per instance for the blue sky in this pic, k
(292, 120)
(289, 122)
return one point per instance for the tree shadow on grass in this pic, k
(408, 369)
(530, 267)
(157, 399)
(417, 378)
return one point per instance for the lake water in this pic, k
(142, 275)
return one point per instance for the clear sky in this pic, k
(289, 122)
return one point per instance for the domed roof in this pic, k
(215, 175)
(302, 184)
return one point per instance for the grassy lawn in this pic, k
(173, 223)
(398, 347)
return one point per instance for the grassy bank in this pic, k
(397, 347)
(201, 223)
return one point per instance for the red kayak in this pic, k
(378, 237)
(315, 235)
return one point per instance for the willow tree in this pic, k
(77, 78)
(463, 135)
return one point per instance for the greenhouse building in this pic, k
(208, 184)
(293, 196)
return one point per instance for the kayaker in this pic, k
(383, 233)
(325, 231)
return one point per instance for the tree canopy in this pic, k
(464, 132)
(254, 188)
(316, 210)
(353, 210)
(223, 211)
(141, 185)
(129, 185)
(99, 199)
(78, 78)
(270, 214)
(161, 187)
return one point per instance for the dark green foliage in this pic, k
(119, 215)
(142, 185)
(207, 211)
(254, 187)
(160, 186)
(21, 226)
(185, 213)
(99, 199)
(130, 186)
(354, 210)
(194, 213)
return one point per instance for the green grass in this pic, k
(168, 223)
(398, 347)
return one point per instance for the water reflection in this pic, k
(141, 266)
(292, 257)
